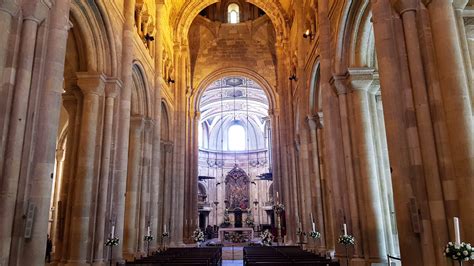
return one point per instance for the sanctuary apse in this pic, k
(131, 118)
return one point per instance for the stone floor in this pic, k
(232, 256)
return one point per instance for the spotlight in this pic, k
(149, 37)
(171, 81)
(293, 77)
(308, 34)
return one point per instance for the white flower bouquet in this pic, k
(459, 252)
(315, 234)
(113, 241)
(267, 238)
(346, 240)
(198, 235)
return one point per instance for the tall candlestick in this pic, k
(112, 234)
(345, 229)
(457, 235)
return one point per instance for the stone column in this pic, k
(345, 109)
(112, 89)
(459, 6)
(8, 10)
(156, 178)
(360, 80)
(72, 104)
(395, 121)
(425, 127)
(131, 198)
(314, 124)
(457, 107)
(92, 87)
(46, 132)
(145, 219)
(121, 163)
(34, 12)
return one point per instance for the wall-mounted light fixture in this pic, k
(308, 34)
(293, 77)
(149, 37)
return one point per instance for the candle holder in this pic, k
(111, 242)
(346, 240)
(148, 239)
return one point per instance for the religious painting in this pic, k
(237, 189)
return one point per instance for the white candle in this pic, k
(164, 229)
(113, 231)
(457, 235)
(345, 229)
(314, 227)
(277, 196)
(148, 231)
(312, 222)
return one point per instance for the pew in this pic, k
(284, 255)
(208, 256)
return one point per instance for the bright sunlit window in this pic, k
(236, 138)
(233, 13)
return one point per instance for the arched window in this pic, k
(233, 14)
(236, 138)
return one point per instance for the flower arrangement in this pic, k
(279, 208)
(198, 235)
(315, 234)
(149, 238)
(459, 252)
(165, 234)
(235, 237)
(113, 241)
(267, 238)
(346, 240)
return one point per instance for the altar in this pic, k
(223, 230)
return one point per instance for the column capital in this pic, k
(403, 6)
(315, 121)
(137, 122)
(91, 83)
(149, 124)
(36, 10)
(113, 87)
(363, 79)
(9, 6)
(340, 83)
(460, 4)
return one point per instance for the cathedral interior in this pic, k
(146, 120)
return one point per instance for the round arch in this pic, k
(355, 37)
(165, 121)
(141, 96)
(235, 71)
(99, 52)
(273, 9)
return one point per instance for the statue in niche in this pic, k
(237, 189)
